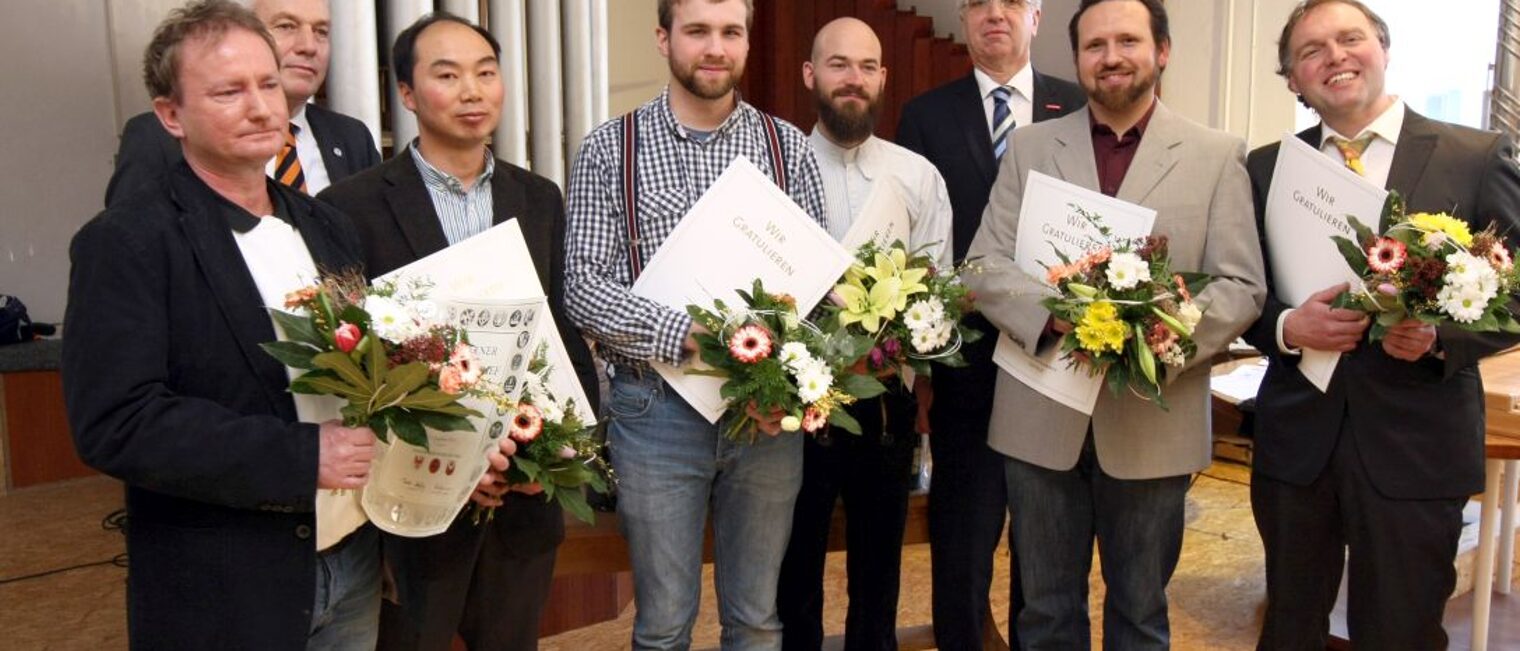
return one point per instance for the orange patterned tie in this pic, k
(287, 169)
(1352, 150)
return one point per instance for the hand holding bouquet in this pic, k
(1129, 311)
(1432, 268)
(772, 359)
(909, 311)
(555, 448)
(380, 349)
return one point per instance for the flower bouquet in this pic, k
(910, 312)
(771, 358)
(1132, 316)
(1429, 267)
(555, 448)
(382, 351)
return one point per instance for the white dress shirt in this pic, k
(309, 153)
(1377, 160)
(849, 175)
(1021, 103)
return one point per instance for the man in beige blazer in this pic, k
(1121, 475)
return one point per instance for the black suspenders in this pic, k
(631, 178)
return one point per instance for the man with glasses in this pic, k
(962, 128)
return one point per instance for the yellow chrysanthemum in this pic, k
(1452, 227)
(1101, 329)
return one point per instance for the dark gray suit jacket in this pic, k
(1419, 426)
(147, 150)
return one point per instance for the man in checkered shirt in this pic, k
(671, 463)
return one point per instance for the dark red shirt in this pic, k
(1114, 152)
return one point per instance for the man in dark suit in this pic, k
(487, 581)
(168, 390)
(328, 146)
(962, 127)
(1381, 463)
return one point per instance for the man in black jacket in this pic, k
(168, 390)
(962, 128)
(488, 581)
(328, 146)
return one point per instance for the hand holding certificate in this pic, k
(1311, 196)
(1053, 225)
(743, 229)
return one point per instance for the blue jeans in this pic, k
(672, 465)
(346, 614)
(1056, 515)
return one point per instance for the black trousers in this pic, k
(1398, 555)
(968, 500)
(870, 473)
(486, 582)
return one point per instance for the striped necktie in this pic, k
(1002, 120)
(1352, 150)
(287, 168)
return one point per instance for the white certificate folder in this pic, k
(741, 229)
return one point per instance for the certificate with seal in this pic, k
(741, 229)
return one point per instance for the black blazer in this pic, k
(167, 389)
(147, 150)
(1418, 426)
(397, 225)
(948, 126)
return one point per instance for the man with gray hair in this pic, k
(321, 146)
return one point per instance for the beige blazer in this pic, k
(1195, 179)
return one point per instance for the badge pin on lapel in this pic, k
(338, 152)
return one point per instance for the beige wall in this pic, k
(636, 71)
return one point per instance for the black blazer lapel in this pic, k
(968, 111)
(237, 296)
(1410, 157)
(509, 199)
(334, 156)
(1046, 105)
(412, 207)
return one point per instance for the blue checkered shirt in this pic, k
(673, 171)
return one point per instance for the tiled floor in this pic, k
(1216, 594)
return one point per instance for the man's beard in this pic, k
(708, 89)
(1122, 99)
(848, 126)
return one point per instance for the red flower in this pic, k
(347, 337)
(527, 423)
(813, 420)
(1182, 290)
(750, 344)
(1386, 255)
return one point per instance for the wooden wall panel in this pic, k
(41, 449)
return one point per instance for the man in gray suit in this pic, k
(1121, 475)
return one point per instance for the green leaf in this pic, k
(1355, 257)
(527, 466)
(407, 428)
(345, 368)
(375, 354)
(861, 386)
(444, 422)
(1363, 233)
(574, 503)
(400, 381)
(1144, 356)
(1173, 324)
(381, 425)
(326, 385)
(290, 353)
(843, 420)
(428, 398)
(297, 328)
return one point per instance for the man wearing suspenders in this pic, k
(631, 184)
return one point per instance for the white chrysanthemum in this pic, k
(1464, 304)
(1468, 273)
(813, 384)
(922, 340)
(390, 319)
(1189, 314)
(924, 314)
(1173, 356)
(1126, 270)
(795, 354)
(941, 334)
(553, 412)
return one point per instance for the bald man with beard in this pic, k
(870, 471)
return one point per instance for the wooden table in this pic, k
(1501, 386)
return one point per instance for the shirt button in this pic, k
(303, 531)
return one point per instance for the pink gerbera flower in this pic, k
(1386, 255)
(1498, 256)
(813, 420)
(750, 344)
(527, 423)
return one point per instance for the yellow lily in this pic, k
(869, 308)
(894, 265)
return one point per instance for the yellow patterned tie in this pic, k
(1352, 150)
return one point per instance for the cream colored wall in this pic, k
(636, 71)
